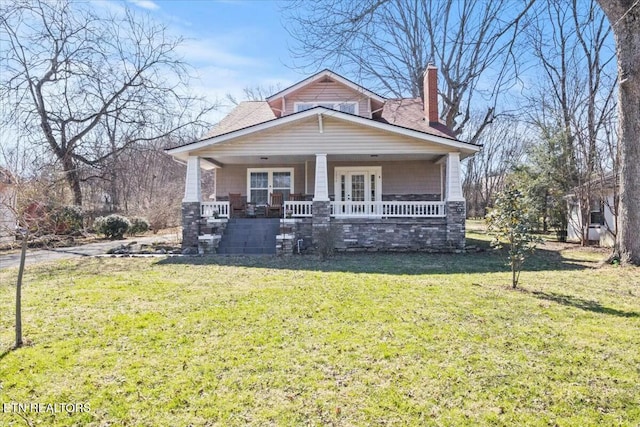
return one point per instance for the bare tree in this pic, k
(503, 147)
(391, 41)
(91, 84)
(624, 16)
(255, 93)
(574, 103)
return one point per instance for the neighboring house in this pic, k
(7, 207)
(383, 173)
(602, 219)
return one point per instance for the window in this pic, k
(349, 107)
(262, 182)
(303, 106)
(596, 214)
(345, 107)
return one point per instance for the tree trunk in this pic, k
(23, 256)
(73, 179)
(624, 16)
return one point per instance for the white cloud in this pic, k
(212, 51)
(145, 4)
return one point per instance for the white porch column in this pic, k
(192, 191)
(321, 193)
(454, 180)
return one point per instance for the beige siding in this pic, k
(304, 138)
(410, 178)
(413, 177)
(328, 92)
(233, 178)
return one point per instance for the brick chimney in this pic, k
(431, 94)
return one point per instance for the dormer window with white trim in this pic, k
(345, 107)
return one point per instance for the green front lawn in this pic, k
(404, 339)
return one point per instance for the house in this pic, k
(8, 219)
(601, 214)
(381, 174)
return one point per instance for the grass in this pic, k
(404, 339)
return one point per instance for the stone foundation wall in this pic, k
(390, 234)
(396, 234)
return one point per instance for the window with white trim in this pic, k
(261, 182)
(345, 107)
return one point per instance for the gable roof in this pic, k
(404, 116)
(326, 73)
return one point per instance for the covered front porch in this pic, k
(368, 202)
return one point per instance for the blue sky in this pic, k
(231, 44)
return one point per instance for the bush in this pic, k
(326, 240)
(163, 214)
(138, 226)
(112, 226)
(66, 219)
(43, 219)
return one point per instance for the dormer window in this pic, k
(345, 107)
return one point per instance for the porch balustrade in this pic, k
(208, 209)
(388, 209)
(298, 209)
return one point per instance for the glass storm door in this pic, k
(357, 185)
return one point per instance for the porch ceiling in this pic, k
(221, 161)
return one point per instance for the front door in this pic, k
(355, 186)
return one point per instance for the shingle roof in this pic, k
(409, 113)
(247, 113)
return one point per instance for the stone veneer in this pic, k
(389, 234)
(456, 217)
(190, 226)
(321, 219)
(214, 229)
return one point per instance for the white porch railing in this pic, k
(207, 209)
(390, 209)
(298, 209)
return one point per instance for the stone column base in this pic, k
(190, 226)
(456, 217)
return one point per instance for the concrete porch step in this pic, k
(254, 236)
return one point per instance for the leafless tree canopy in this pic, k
(573, 104)
(503, 148)
(88, 85)
(390, 43)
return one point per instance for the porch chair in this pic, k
(296, 197)
(236, 205)
(276, 204)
